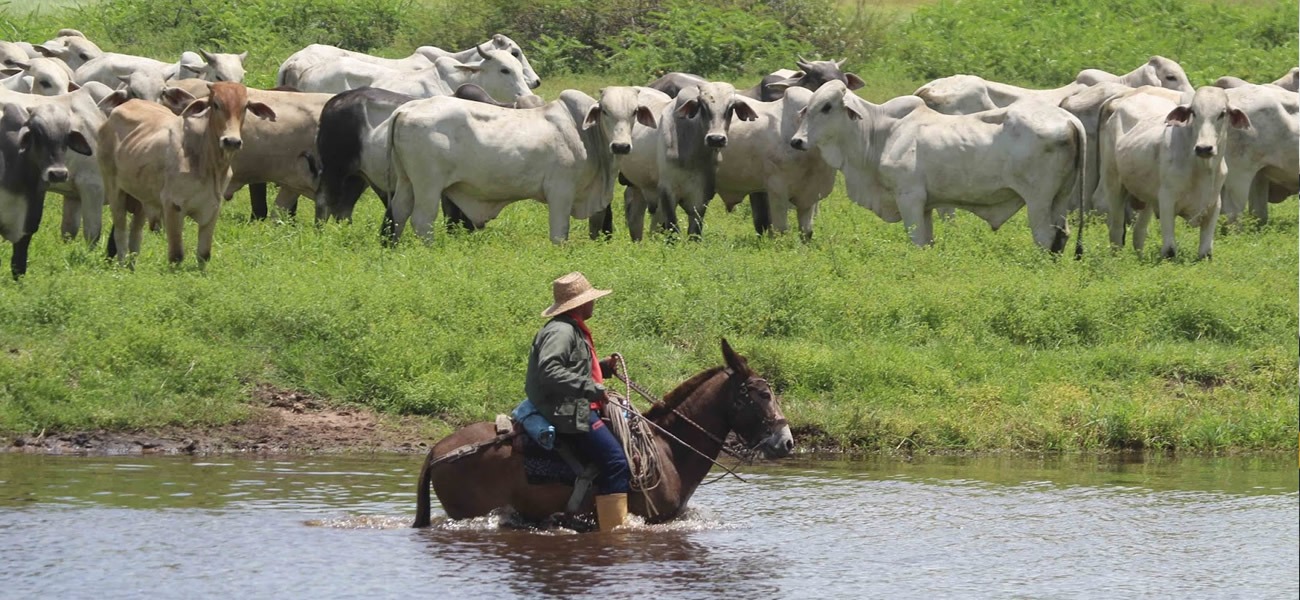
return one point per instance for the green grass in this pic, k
(980, 342)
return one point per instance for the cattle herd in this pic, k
(462, 133)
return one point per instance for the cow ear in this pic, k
(593, 116)
(113, 100)
(194, 68)
(21, 66)
(646, 117)
(242, 56)
(9, 72)
(177, 97)
(262, 111)
(688, 109)
(499, 40)
(49, 52)
(24, 137)
(744, 111)
(1238, 119)
(123, 78)
(195, 108)
(72, 87)
(781, 86)
(1179, 116)
(853, 113)
(469, 68)
(855, 82)
(77, 143)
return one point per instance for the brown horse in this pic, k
(700, 412)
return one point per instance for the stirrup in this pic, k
(581, 485)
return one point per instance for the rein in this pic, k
(744, 388)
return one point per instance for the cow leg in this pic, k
(1168, 246)
(668, 208)
(423, 215)
(1042, 227)
(601, 224)
(695, 221)
(206, 231)
(1209, 223)
(172, 224)
(18, 262)
(760, 206)
(778, 213)
(558, 214)
(257, 192)
(1140, 225)
(1258, 198)
(917, 218)
(91, 200)
(634, 209)
(71, 217)
(286, 201)
(806, 214)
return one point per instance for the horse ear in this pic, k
(735, 361)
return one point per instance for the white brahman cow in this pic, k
(901, 160)
(1158, 155)
(484, 157)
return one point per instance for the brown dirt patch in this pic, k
(282, 422)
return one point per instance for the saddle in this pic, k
(560, 465)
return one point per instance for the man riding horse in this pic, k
(565, 383)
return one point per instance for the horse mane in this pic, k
(679, 394)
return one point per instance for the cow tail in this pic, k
(388, 226)
(422, 492)
(1080, 178)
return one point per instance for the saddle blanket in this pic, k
(542, 466)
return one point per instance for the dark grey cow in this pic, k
(694, 131)
(811, 75)
(32, 148)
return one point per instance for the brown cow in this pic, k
(155, 162)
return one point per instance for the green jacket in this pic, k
(559, 376)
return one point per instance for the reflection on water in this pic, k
(337, 527)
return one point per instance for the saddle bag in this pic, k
(534, 424)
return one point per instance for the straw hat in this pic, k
(571, 291)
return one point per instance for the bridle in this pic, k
(740, 400)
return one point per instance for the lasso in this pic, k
(637, 440)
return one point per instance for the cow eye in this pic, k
(84, 56)
(1171, 78)
(505, 71)
(514, 53)
(45, 84)
(826, 108)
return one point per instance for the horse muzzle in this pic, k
(779, 444)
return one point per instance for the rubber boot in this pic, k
(611, 510)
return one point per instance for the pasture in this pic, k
(981, 342)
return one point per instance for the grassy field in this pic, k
(981, 342)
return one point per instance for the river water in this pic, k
(935, 527)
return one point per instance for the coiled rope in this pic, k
(637, 439)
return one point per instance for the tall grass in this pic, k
(979, 342)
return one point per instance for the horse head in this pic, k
(754, 413)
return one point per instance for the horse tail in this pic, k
(422, 492)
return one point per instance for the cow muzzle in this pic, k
(799, 143)
(1205, 151)
(231, 143)
(56, 175)
(620, 148)
(715, 140)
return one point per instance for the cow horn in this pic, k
(803, 63)
(481, 52)
(839, 64)
(207, 56)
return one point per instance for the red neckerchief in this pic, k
(591, 346)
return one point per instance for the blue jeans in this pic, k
(601, 447)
